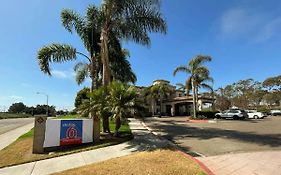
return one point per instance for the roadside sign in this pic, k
(71, 132)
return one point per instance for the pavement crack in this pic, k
(33, 168)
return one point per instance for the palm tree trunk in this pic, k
(194, 98)
(117, 126)
(105, 123)
(106, 72)
(96, 119)
(105, 57)
(160, 107)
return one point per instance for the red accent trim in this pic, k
(201, 164)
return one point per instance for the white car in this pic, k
(252, 114)
(275, 112)
(232, 113)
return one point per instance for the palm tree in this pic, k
(156, 93)
(86, 28)
(128, 19)
(202, 81)
(184, 87)
(195, 68)
(96, 103)
(123, 101)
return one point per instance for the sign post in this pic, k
(39, 134)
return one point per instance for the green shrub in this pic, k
(264, 109)
(4, 115)
(207, 114)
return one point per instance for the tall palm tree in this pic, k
(88, 29)
(122, 101)
(128, 19)
(195, 68)
(202, 81)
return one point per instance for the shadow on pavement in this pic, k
(173, 131)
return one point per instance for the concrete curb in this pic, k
(202, 121)
(201, 164)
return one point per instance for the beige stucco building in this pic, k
(178, 103)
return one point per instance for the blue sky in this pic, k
(242, 36)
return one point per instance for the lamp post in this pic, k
(47, 108)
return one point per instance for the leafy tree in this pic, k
(195, 68)
(271, 98)
(17, 108)
(81, 95)
(273, 83)
(222, 101)
(122, 101)
(42, 109)
(128, 19)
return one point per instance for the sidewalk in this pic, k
(11, 136)
(256, 163)
(143, 140)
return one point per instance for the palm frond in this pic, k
(181, 69)
(206, 86)
(72, 20)
(55, 53)
(82, 72)
(136, 18)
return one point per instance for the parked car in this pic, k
(275, 112)
(232, 113)
(253, 114)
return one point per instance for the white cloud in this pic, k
(63, 74)
(248, 24)
(239, 22)
(269, 30)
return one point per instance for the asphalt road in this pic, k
(225, 136)
(7, 125)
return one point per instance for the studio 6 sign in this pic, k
(68, 132)
(71, 132)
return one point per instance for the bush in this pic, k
(4, 115)
(264, 109)
(207, 114)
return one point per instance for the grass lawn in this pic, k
(160, 162)
(21, 150)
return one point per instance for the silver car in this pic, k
(232, 113)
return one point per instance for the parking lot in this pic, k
(225, 136)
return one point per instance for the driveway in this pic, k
(225, 136)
